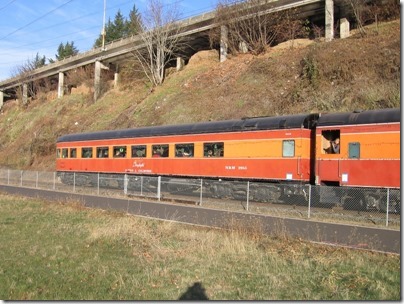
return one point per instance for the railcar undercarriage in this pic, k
(361, 199)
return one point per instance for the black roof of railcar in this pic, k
(358, 118)
(245, 124)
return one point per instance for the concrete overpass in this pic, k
(196, 31)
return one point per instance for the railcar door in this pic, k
(328, 155)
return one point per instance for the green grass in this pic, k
(55, 251)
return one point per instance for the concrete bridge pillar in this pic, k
(180, 63)
(329, 20)
(61, 85)
(344, 28)
(116, 78)
(97, 79)
(243, 48)
(1, 99)
(24, 93)
(224, 36)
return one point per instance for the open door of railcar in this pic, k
(328, 158)
(359, 150)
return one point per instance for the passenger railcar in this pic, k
(263, 148)
(337, 149)
(369, 149)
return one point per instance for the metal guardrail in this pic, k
(189, 25)
(355, 206)
(92, 54)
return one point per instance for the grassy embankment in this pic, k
(65, 252)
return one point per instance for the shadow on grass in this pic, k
(195, 292)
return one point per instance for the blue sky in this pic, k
(28, 27)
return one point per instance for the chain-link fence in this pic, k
(361, 206)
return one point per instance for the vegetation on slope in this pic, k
(298, 76)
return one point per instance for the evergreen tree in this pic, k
(38, 62)
(66, 50)
(121, 27)
(134, 24)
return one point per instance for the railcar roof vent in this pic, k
(250, 125)
(282, 124)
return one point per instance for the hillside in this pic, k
(298, 76)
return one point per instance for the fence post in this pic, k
(98, 183)
(387, 207)
(141, 185)
(125, 184)
(308, 209)
(200, 194)
(54, 180)
(248, 194)
(159, 188)
(21, 178)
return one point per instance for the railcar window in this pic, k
(330, 141)
(139, 151)
(184, 150)
(120, 151)
(160, 150)
(213, 149)
(57, 153)
(354, 150)
(102, 152)
(288, 148)
(65, 153)
(86, 152)
(73, 153)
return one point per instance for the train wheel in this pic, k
(394, 206)
(220, 190)
(358, 204)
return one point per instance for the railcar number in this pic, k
(234, 167)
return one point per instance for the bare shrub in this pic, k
(366, 12)
(159, 35)
(83, 75)
(256, 25)
(292, 26)
(249, 24)
(318, 31)
(131, 72)
(383, 11)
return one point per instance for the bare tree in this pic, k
(159, 35)
(359, 10)
(293, 26)
(253, 23)
(24, 72)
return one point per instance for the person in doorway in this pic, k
(335, 146)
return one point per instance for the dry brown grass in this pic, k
(91, 254)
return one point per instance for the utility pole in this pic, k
(103, 27)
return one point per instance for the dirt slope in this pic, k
(295, 77)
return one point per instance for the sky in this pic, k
(31, 27)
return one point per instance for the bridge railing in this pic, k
(349, 205)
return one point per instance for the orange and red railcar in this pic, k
(337, 149)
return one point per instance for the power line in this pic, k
(188, 13)
(39, 18)
(1, 8)
(51, 39)
(75, 19)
